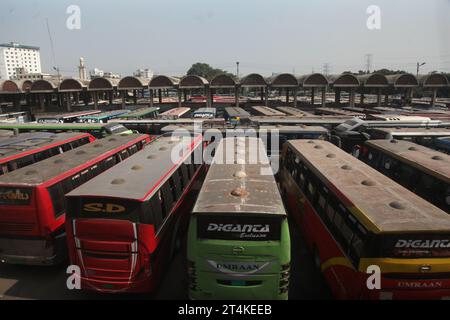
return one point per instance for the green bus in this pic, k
(103, 117)
(142, 113)
(98, 130)
(238, 238)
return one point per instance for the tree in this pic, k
(206, 71)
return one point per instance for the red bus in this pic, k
(356, 220)
(32, 202)
(27, 148)
(124, 226)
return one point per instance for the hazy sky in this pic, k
(265, 36)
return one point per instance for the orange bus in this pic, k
(354, 217)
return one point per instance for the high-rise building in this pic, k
(14, 57)
(143, 73)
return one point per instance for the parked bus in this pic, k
(268, 112)
(339, 112)
(14, 117)
(32, 202)
(353, 217)
(102, 117)
(142, 113)
(238, 237)
(67, 117)
(294, 111)
(98, 130)
(442, 144)
(124, 226)
(422, 170)
(175, 113)
(154, 126)
(354, 131)
(423, 136)
(6, 134)
(27, 148)
(204, 113)
(236, 115)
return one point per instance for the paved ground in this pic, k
(25, 282)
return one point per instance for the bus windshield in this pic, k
(242, 228)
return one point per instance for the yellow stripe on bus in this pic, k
(336, 261)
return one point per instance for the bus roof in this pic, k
(427, 131)
(25, 142)
(268, 111)
(205, 110)
(104, 115)
(237, 112)
(53, 167)
(175, 111)
(51, 126)
(66, 115)
(381, 204)
(255, 193)
(295, 128)
(294, 111)
(430, 161)
(138, 177)
(138, 113)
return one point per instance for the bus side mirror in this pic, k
(365, 135)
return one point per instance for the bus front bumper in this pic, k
(38, 252)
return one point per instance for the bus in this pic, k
(238, 237)
(32, 203)
(14, 117)
(154, 126)
(442, 144)
(142, 113)
(424, 171)
(423, 136)
(356, 220)
(294, 111)
(175, 113)
(102, 117)
(68, 117)
(98, 130)
(353, 132)
(236, 115)
(124, 226)
(6, 134)
(27, 148)
(339, 112)
(268, 112)
(204, 113)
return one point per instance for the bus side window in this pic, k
(58, 199)
(321, 203)
(108, 163)
(133, 149)
(66, 147)
(76, 181)
(357, 245)
(178, 184)
(184, 175)
(190, 170)
(167, 198)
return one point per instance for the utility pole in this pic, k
(326, 68)
(369, 58)
(419, 65)
(237, 69)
